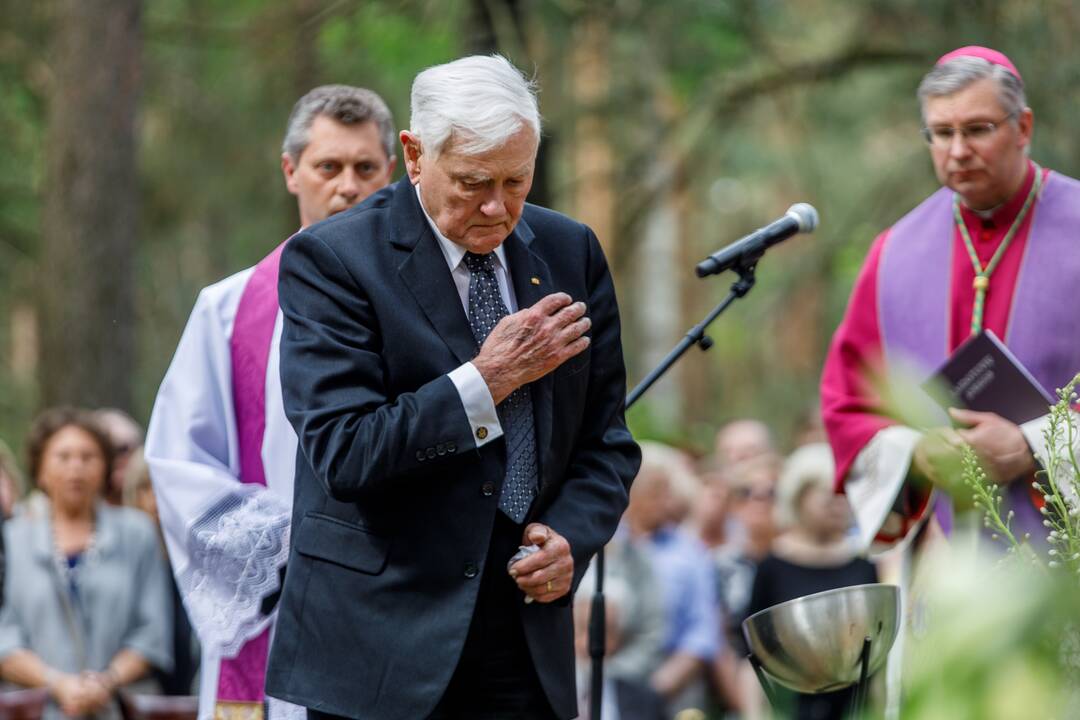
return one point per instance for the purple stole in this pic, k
(1043, 331)
(243, 678)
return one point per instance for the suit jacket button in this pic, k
(451, 447)
(440, 449)
(471, 570)
(431, 452)
(421, 455)
(487, 489)
(481, 432)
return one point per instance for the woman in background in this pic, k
(815, 552)
(87, 607)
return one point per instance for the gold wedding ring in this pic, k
(549, 586)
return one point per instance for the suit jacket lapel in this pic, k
(426, 274)
(531, 278)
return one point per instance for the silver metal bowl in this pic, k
(813, 644)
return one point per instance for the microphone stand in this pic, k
(696, 336)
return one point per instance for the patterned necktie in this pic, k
(486, 308)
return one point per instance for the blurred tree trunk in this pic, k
(695, 380)
(307, 21)
(301, 23)
(86, 284)
(594, 202)
(494, 26)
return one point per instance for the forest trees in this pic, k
(142, 145)
(90, 214)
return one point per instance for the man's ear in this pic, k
(412, 151)
(1026, 122)
(288, 169)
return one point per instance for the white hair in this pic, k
(672, 464)
(478, 102)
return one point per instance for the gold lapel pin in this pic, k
(535, 280)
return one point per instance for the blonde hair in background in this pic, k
(676, 466)
(808, 466)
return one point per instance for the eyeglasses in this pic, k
(942, 136)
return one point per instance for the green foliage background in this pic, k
(756, 103)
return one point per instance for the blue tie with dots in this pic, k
(486, 308)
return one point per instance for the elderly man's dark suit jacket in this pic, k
(394, 500)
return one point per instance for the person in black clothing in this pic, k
(815, 553)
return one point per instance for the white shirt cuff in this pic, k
(478, 403)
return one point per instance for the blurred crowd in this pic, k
(89, 603)
(706, 542)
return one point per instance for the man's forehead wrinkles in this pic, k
(484, 174)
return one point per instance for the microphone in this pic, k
(800, 217)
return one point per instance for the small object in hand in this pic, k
(523, 552)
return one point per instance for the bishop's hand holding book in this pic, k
(988, 394)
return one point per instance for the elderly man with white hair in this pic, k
(452, 364)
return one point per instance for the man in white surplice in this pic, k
(227, 534)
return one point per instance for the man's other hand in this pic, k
(547, 575)
(1000, 444)
(532, 342)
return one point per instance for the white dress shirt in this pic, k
(471, 386)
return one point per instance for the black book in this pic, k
(984, 375)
